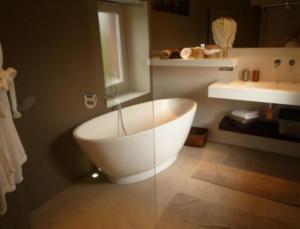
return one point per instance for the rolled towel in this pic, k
(175, 54)
(246, 114)
(198, 53)
(170, 54)
(192, 53)
(186, 53)
(165, 54)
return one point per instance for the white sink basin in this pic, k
(265, 91)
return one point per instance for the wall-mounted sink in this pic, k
(265, 91)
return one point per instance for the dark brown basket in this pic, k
(197, 137)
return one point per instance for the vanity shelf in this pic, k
(260, 129)
(218, 62)
(265, 92)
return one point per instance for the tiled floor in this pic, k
(102, 205)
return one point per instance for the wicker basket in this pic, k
(197, 137)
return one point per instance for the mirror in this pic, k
(260, 23)
(124, 39)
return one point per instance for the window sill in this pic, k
(125, 97)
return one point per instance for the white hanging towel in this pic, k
(224, 31)
(12, 153)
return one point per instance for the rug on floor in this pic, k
(187, 212)
(268, 175)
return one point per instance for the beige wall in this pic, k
(137, 46)
(193, 82)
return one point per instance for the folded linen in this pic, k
(246, 114)
(242, 121)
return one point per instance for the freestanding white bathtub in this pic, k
(156, 132)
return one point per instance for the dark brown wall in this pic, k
(54, 46)
(176, 31)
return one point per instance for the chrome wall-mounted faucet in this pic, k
(292, 62)
(277, 63)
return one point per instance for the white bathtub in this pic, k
(162, 125)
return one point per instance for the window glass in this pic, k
(111, 47)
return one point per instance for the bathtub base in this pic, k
(144, 175)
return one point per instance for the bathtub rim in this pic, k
(77, 137)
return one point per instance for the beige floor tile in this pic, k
(101, 205)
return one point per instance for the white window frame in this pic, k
(115, 9)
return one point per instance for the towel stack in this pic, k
(244, 118)
(192, 53)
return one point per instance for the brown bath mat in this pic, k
(272, 176)
(188, 212)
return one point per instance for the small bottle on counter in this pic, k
(255, 76)
(245, 75)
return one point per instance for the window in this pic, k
(113, 50)
(124, 39)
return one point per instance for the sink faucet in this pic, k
(277, 62)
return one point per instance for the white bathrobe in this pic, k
(12, 154)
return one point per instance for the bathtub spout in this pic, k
(120, 119)
(114, 95)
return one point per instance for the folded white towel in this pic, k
(246, 114)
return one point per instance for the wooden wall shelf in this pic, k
(260, 128)
(217, 62)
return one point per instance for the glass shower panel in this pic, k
(129, 188)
